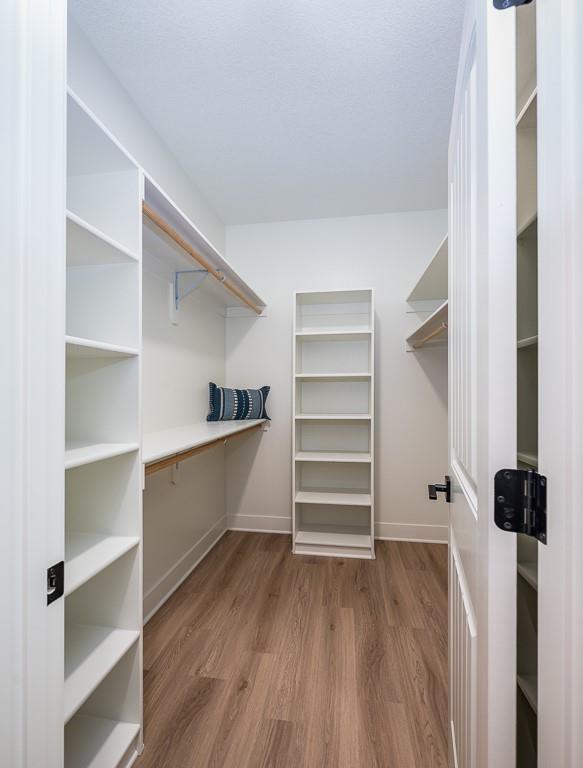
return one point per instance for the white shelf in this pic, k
(333, 416)
(528, 458)
(78, 347)
(530, 341)
(347, 334)
(333, 538)
(326, 497)
(433, 282)
(91, 653)
(529, 572)
(95, 742)
(77, 454)
(159, 245)
(333, 376)
(86, 554)
(168, 442)
(528, 685)
(334, 457)
(526, 118)
(87, 245)
(432, 331)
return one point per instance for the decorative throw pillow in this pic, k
(226, 404)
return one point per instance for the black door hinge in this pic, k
(436, 488)
(520, 504)
(55, 582)
(501, 5)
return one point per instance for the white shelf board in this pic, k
(529, 341)
(86, 554)
(154, 239)
(528, 458)
(332, 416)
(528, 685)
(333, 376)
(432, 330)
(95, 742)
(79, 347)
(333, 538)
(346, 334)
(79, 453)
(167, 442)
(334, 457)
(529, 572)
(87, 245)
(91, 652)
(527, 117)
(340, 498)
(433, 282)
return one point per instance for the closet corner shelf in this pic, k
(87, 554)
(91, 653)
(171, 446)
(528, 685)
(79, 347)
(432, 330)
(433, 282)
(96, 741)
(87, 245)
(335, 498)
(530, 341)
(529, 572)
(78, 454)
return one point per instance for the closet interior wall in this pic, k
(389, 252)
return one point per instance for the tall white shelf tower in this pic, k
(103, 516)
(333, 430)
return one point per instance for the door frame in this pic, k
(32, 327)
(560, 233)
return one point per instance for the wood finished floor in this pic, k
(264, 660)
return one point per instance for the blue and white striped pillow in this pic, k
(230, 404)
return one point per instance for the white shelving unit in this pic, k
(527, 375)
(428, 303)
(333, 431)
(103, 610)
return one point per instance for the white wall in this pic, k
(98, 88)
(181, 519)
(388, 253)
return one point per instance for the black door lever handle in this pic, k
(436, 488)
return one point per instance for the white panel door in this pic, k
(32, 420)
(482, 391)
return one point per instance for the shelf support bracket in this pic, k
(185, 282)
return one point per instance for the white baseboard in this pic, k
(173, 578)
(429, 534)
(259, 523)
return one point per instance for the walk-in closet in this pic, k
(290, 425)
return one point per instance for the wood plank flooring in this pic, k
(264, 660)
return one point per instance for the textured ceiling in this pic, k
(292, 109)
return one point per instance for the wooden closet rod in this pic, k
(180, 241)
(436, 332)
(176, 458)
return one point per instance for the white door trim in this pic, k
(560, 233)
(32, 263)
